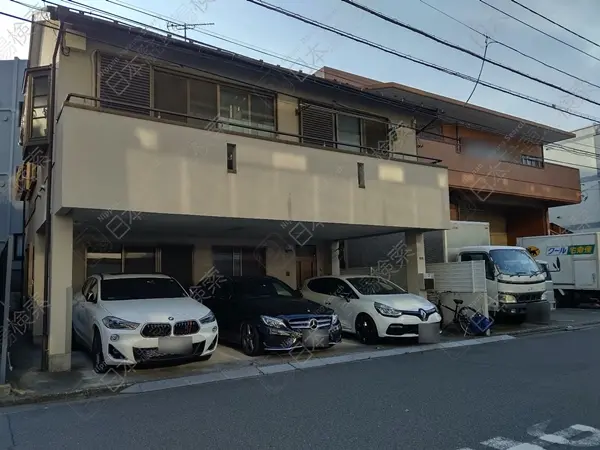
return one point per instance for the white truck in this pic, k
(513, 278)
(574, 263)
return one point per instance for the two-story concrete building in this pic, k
(172, 157)
(496, 167)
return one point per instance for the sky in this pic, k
(254, 31)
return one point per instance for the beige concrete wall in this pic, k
(415, 262)
(61, 294)
(150, 166)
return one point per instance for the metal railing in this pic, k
(219, 123)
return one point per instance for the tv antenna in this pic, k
(186, 26)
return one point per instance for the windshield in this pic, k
(375, 286)
(140, 288)
(262, 287)
(514, 262)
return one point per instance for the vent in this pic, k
(124, 82)
(317, 126)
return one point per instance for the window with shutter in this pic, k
(318, 126)
(126, 80)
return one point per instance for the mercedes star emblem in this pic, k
(313, 324)
(423, 314)
(171, 318)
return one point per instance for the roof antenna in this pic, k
(186, 26)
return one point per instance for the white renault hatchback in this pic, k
(371, 307)
(130, 319)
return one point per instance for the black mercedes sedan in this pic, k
(265, 314)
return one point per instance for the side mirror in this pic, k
(298, 293)
(346, 296)
(90, 297)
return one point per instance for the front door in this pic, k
(305, 269)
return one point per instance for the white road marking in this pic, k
(563, 437)
(500, 443)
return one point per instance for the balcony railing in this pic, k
(227, 126)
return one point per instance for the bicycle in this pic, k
(471, 322)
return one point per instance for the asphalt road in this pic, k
(498, 395)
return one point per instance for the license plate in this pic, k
(175, 345)
(315, 338)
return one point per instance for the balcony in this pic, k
(555, 184)
(119, 161)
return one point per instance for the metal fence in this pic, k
(6, 261)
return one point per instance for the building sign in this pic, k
(557, 251)
(581, 249)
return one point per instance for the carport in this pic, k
(189, 248)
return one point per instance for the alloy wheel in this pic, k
(248, 339)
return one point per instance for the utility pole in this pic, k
(186, 26)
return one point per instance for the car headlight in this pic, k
(209, 318)
(114, 323)
(387, 311)
(273, 322)
(507, 298)
(335, 319)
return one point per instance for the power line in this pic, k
(540, 31)
(166, 18)
(208, 72)
(463, 50)
(353, 91)
(417, 60)
(493, 40)
(555, 23)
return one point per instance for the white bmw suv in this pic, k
(372, 307)
(125, 320)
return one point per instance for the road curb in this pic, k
(259, 371)
(550, 328)
(17, 399)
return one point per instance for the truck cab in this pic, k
(514, 279)
(549, 295)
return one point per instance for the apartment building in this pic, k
(496, 167)
(11, 207)
(580, 152)
(193, 161)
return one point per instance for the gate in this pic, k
(6, 260)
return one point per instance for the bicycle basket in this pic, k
(479, 324)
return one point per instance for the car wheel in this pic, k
(100, 365)
(250, 340)
(366, 330)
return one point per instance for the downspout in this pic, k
(48, 225)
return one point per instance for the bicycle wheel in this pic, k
(465, 314)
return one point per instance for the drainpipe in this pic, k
(48, 225)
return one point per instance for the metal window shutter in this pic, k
(124, 79)
(318, 126)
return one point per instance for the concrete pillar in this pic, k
(61, 294)
(415, 261)
(39, 242)
(335, 260)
